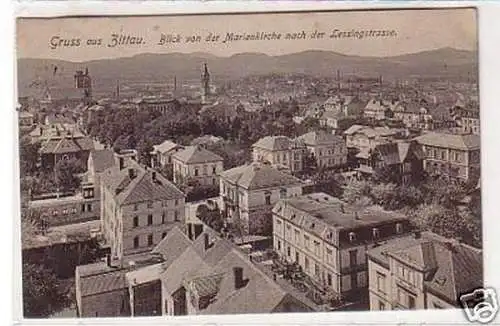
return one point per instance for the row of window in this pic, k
(150, 205)
(331, 151)
(72, 210)
(441, 154)
(150, 219)
(149, 240)
(204, 170)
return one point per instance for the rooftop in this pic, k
(259, 176)
(165, 147)
(196, 155)
(447, 140)
(277, 143)
(321, 138)
(102, 159)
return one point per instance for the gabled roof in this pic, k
(102, 159)
(259, 176)
(321, 138)
(67, 145)
(165, 147)
(397, 152)
(196, 155)
(453, 141)
(276, 143)
(173, 245)
(99, 278)
(139, 188)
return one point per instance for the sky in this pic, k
(415, 31)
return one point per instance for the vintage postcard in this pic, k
(251, 163)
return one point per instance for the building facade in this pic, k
(451, 155)
(161, 156)
(138, 208)
(197, 164)
(328, 150)
(329, 239)
(281, 152)
(422, 271)
(249, 192)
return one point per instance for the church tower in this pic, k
(84, 81)
(205, 84)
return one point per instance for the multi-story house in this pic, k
(329, 239)
(451, 155)
(161, 155)
(328, 150)
(422, 271)
(362, 140)
(138, 208)
(156, 104)
(399, 162)
(380, 109)
(338, 110)
(26, 120)
(414, 115)
(467, 119)
(182, 275)
(280, 151)
(249, 192)
(195, 163)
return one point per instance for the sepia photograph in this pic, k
(251, 163)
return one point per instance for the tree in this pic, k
(212, 217)
(66, 174)
(42, 295)
(355, 190)
(28, 156)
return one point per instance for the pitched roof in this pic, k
(447, 140)
(67, 145)
(165, 147)
(397, 152)
(321, 138)
(276, 143)
(195, 155)
(99, 278)
(173, 245)
(139, 188)
(259, 294)
(259, 176)
(371, 132)
(102, 159)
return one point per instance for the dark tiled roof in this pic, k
(99, 278)
(102, 159)
(196, 154)
(141, 187)
(397, 152)
(259, 176)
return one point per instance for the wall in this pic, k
(108, 304)
(383, 295)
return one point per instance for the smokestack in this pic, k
(206, 241)
(238, 277)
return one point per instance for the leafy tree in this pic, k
(28, 155)
(355, 190)
(212, 217)
(66, 174)
(42, 295)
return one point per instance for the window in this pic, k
(136, 207)
(164, 204)
(411, 302)
(279, 245)
(55, 212)
(163, 217)
(284, 157)
(381, 305)
(65, 211)
(268, 198)
(150, 219)
(214, 169)
(136, 221)
(329, 279)
(136, 242)
(306, 264)
(150, 204)
(195, 172)
(329, 256)
(282, 193)
(204, 169)
(376, 233)
(83, 208)
(352, 257)
(297, 257)
(288, 251)
(380, 282)
(176, 216)
(297, 236)
(306, 241)
(150, 240)
(176, 202)
(399, 228)
(89, 207)
(73, 210)
(316, 269)
(316, 248)
(352, 236)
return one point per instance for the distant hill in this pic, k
(445, 63)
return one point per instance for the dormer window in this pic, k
(352, 236)
(399, 228)
(376, 233)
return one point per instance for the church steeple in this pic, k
(205, 83)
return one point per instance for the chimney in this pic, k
(206, 241)
(238, 277)
(190, 231)
(131, 173)
(153, 176)
(108, 260)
